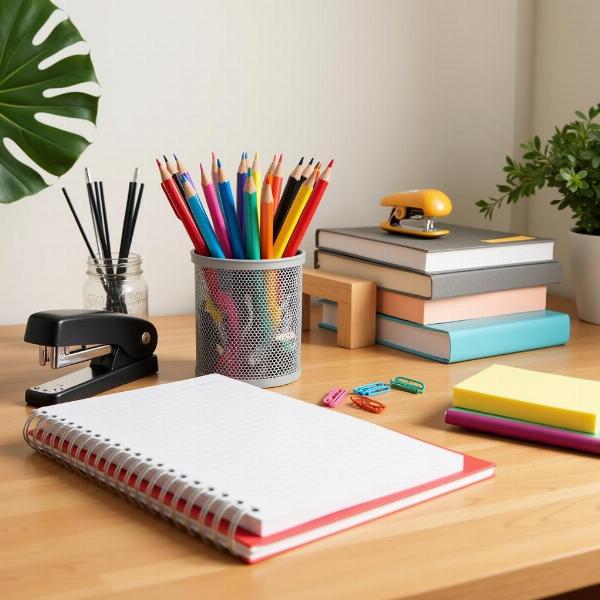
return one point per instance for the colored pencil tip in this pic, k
(219, 163)
(246, 155)
(175, 156)
(201, 169)
(280, 158)
(330, 163)
(165, 157)
(310, 162)
(301, 160)
(88, 177)
(158, 163)
(249, 171)
(242, 157)
(135, 175)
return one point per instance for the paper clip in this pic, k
(334, 397)
(407, 384)
(373, 406)
(372, 389)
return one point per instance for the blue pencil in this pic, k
(201, 219)
(231, 219)
(241, 182)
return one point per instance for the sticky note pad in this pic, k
(545, 398)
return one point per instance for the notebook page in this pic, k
(289, 460)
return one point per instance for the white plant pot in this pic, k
(585, 265)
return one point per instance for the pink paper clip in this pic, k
(334, 397)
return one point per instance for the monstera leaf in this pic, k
(22, 86)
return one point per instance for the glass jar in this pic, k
(116, 284)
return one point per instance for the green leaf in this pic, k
(566, 174)
(596, 161)
(22, 85)
(581, 115)
(582, 174)
(536, 142)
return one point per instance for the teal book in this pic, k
(467, 340)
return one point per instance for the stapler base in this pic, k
(87, 382)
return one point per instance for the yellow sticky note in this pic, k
(546, 398)
(514, 238)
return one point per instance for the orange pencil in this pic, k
(266, 219)
(277, 182)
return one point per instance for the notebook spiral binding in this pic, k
(93, 457)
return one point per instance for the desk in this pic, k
(532, 531)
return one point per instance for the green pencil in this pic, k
(251, 222)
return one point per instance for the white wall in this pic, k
(403, 93)
(566, 63)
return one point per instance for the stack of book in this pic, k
(470, 294)
(538, 407)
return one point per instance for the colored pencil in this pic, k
(308, 171)
(257, 183)
(228, 207)
(214, 173)
(287, 197)
(215, 213)
(180, 209)
(201, 219)
(277, 182)
(266, 220)
(293, 216)
(308, 213)
(239, 195)
(252, 232)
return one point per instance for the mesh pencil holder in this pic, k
(249, 318)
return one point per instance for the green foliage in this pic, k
(22, 85)
(569, 162)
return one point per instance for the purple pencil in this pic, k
(215, 213)
(533, 432)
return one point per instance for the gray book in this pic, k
(462, 248)
(440, 285)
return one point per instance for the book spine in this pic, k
(532, 432)
(161, 491)
(506, 338)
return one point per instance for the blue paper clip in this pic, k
(372, 389)
(407, 384)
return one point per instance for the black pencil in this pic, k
(287, 198)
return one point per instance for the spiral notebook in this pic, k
(252, 471)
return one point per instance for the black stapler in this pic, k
(120, 348)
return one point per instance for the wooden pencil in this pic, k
(239, 195)
(266, 220)
(287, 197)
(308, 213)
(252, 231)
(277, 182)
(293, 216)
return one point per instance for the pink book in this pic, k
(524, 430)
(460, 308)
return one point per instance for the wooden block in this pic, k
(356, 300)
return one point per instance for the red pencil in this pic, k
(180, 209)
(308, 213)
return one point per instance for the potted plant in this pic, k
(569, 162)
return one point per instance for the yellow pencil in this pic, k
(293, 216)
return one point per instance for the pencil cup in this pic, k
(249, 318)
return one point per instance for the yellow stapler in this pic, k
(414, 211)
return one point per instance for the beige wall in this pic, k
(566, 67)
(403, 93)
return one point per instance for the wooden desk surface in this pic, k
(532, 531)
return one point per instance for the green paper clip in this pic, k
(408, 385)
